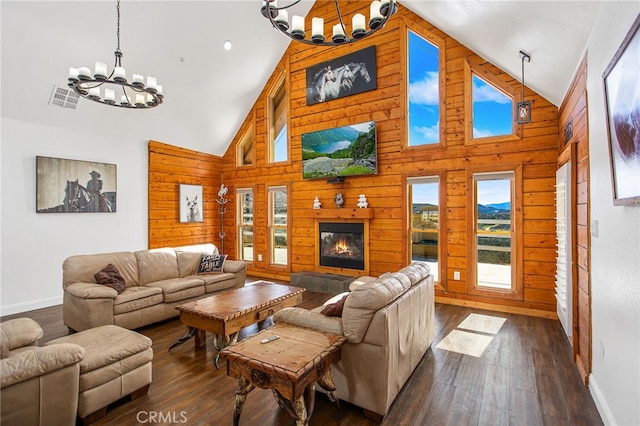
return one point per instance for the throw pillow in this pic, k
(110, 276)
(334, 309)
(212, 263)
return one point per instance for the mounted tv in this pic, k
(340, 152)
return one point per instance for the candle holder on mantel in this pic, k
(222, 210)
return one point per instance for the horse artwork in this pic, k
(58, 187)
(78, 199)
(344, 76)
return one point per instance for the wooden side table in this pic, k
(290, 366)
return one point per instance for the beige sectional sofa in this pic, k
(39, 384)
(389, 325)
(157, 280)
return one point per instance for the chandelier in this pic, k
(134, 94)
(379, 13)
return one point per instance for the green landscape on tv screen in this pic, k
(339, 152)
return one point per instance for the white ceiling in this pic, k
(209, 91)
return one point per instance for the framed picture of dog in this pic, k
(190, 203)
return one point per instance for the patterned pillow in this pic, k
(110, 276)
(211, 263)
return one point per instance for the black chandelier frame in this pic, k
(387, 9)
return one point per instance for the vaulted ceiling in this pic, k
(208, 90)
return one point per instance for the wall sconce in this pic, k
(523, 108)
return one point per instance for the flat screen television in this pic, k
(340, 152)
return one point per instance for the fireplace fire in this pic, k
(342, 245)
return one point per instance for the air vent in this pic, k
(64, 98)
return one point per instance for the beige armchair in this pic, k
(39, 384)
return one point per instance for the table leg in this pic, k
(302, 408)
(221, 342)
(326, 383)
(241, 396)
(186, 336)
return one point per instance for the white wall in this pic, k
(34, 245)
(615, 252)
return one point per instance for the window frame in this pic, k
(438, 178)
(280, 84)
(439, 42)
(248, 135)
(240, 192)
(475, 67)
(516, 292)
(272, 226)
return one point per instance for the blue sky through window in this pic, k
(492, 110)
(424, 91)
(280, 146)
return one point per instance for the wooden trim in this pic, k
(366, 213)
(497, 308)
(248, 128)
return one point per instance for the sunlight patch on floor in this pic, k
(482, 323)
(473, 335)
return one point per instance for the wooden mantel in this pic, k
(366, 213)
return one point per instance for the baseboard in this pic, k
(601, 402)
(497, 308)
(30, 306)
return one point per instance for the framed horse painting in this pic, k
(622, 95)
(75, 186)
(344, 76)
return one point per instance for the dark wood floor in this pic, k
(525, 376)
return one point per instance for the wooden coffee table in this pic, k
(228, 312)
(290, 366)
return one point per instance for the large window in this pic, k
(492, 110)
(494, 233)
(424, 224)
(278, 148)
(278, 220)
(245, 223)
(424, 91)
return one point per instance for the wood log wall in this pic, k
(574, 147)
(533, 151)
(170, 166)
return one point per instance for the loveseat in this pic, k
(388, 322)
(155, 282)
(39, 384)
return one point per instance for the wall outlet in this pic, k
(260, 257)
(456, 275)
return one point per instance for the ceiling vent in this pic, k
(64, 98)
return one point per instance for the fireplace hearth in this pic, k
(342, 245)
